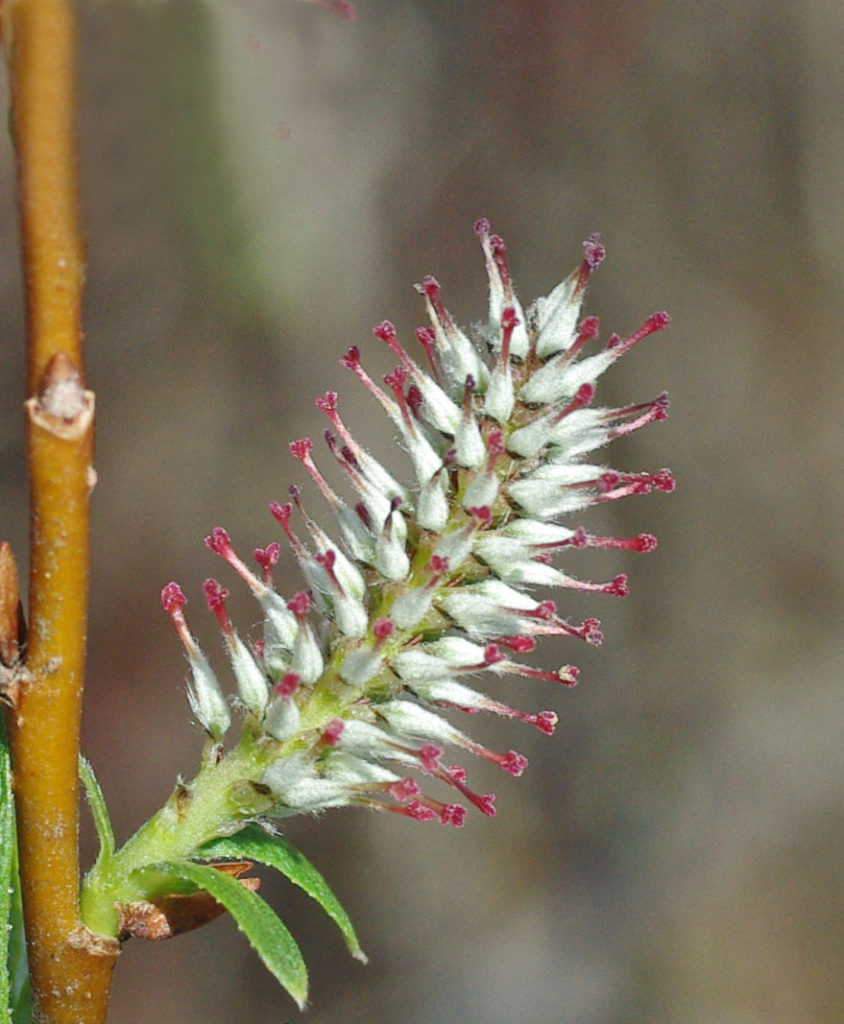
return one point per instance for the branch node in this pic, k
(60, 391)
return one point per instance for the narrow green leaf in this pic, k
(99, 811)
(7, 862)
(21, 994)
(15, 1007)
(253, 843)
(269, 937)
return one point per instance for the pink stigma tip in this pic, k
(282, 512)
(218, 540)
(382, 628)
(480, 512)
(396, 379)
(419, 812)
(591, 632)
(327, 559)
(431, 287)
(351, 360)
(646, 542)
(661, 320)
(328, 402)
(429, 756)
(568, 675)
(173, 598)
(514, 763)
(453, 814)
(268, 556)
(333, 731)
(492, 655)
(509, 320)
(403, 790)
(619, 586)
(585, 394)
(299, 604)
(287, 685)
(215, 595)
(302, 448)
(664, 481)
(546, 721)
(593, 251)
(438, 565)
(482, 226)
(385, 331)
(486, 803)
(495, 442)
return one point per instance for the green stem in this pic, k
(193, 815)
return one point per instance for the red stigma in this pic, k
(619, 587)
(431, 287)
(492, 655)
(333, 731)
(495, 442)
(403, 790)
(301, 449)
(328, 402)
(419, 812)
(594, 252)
(351, 360)
(453, 814)
(480, 512)
(414, 400)
(664, 481)
(585, 394)
(486, 804)
(546, 721)
(173, 598)
(427, 339)
(382, 628)
(218, 540)
(299, 604)
(268, 556)
(282, 513)
(514, 763)
(568, 675)
(386, 332)
(327, 559)
(215, 595)
(287, 685)
(429, 757)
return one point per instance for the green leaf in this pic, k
(99, 811)
(269, 937)
(253, 843)
(21, 994)
(7, 860)
(15, 1005)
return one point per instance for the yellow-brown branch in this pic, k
(70, 969)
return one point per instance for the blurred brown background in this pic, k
(262, 183)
